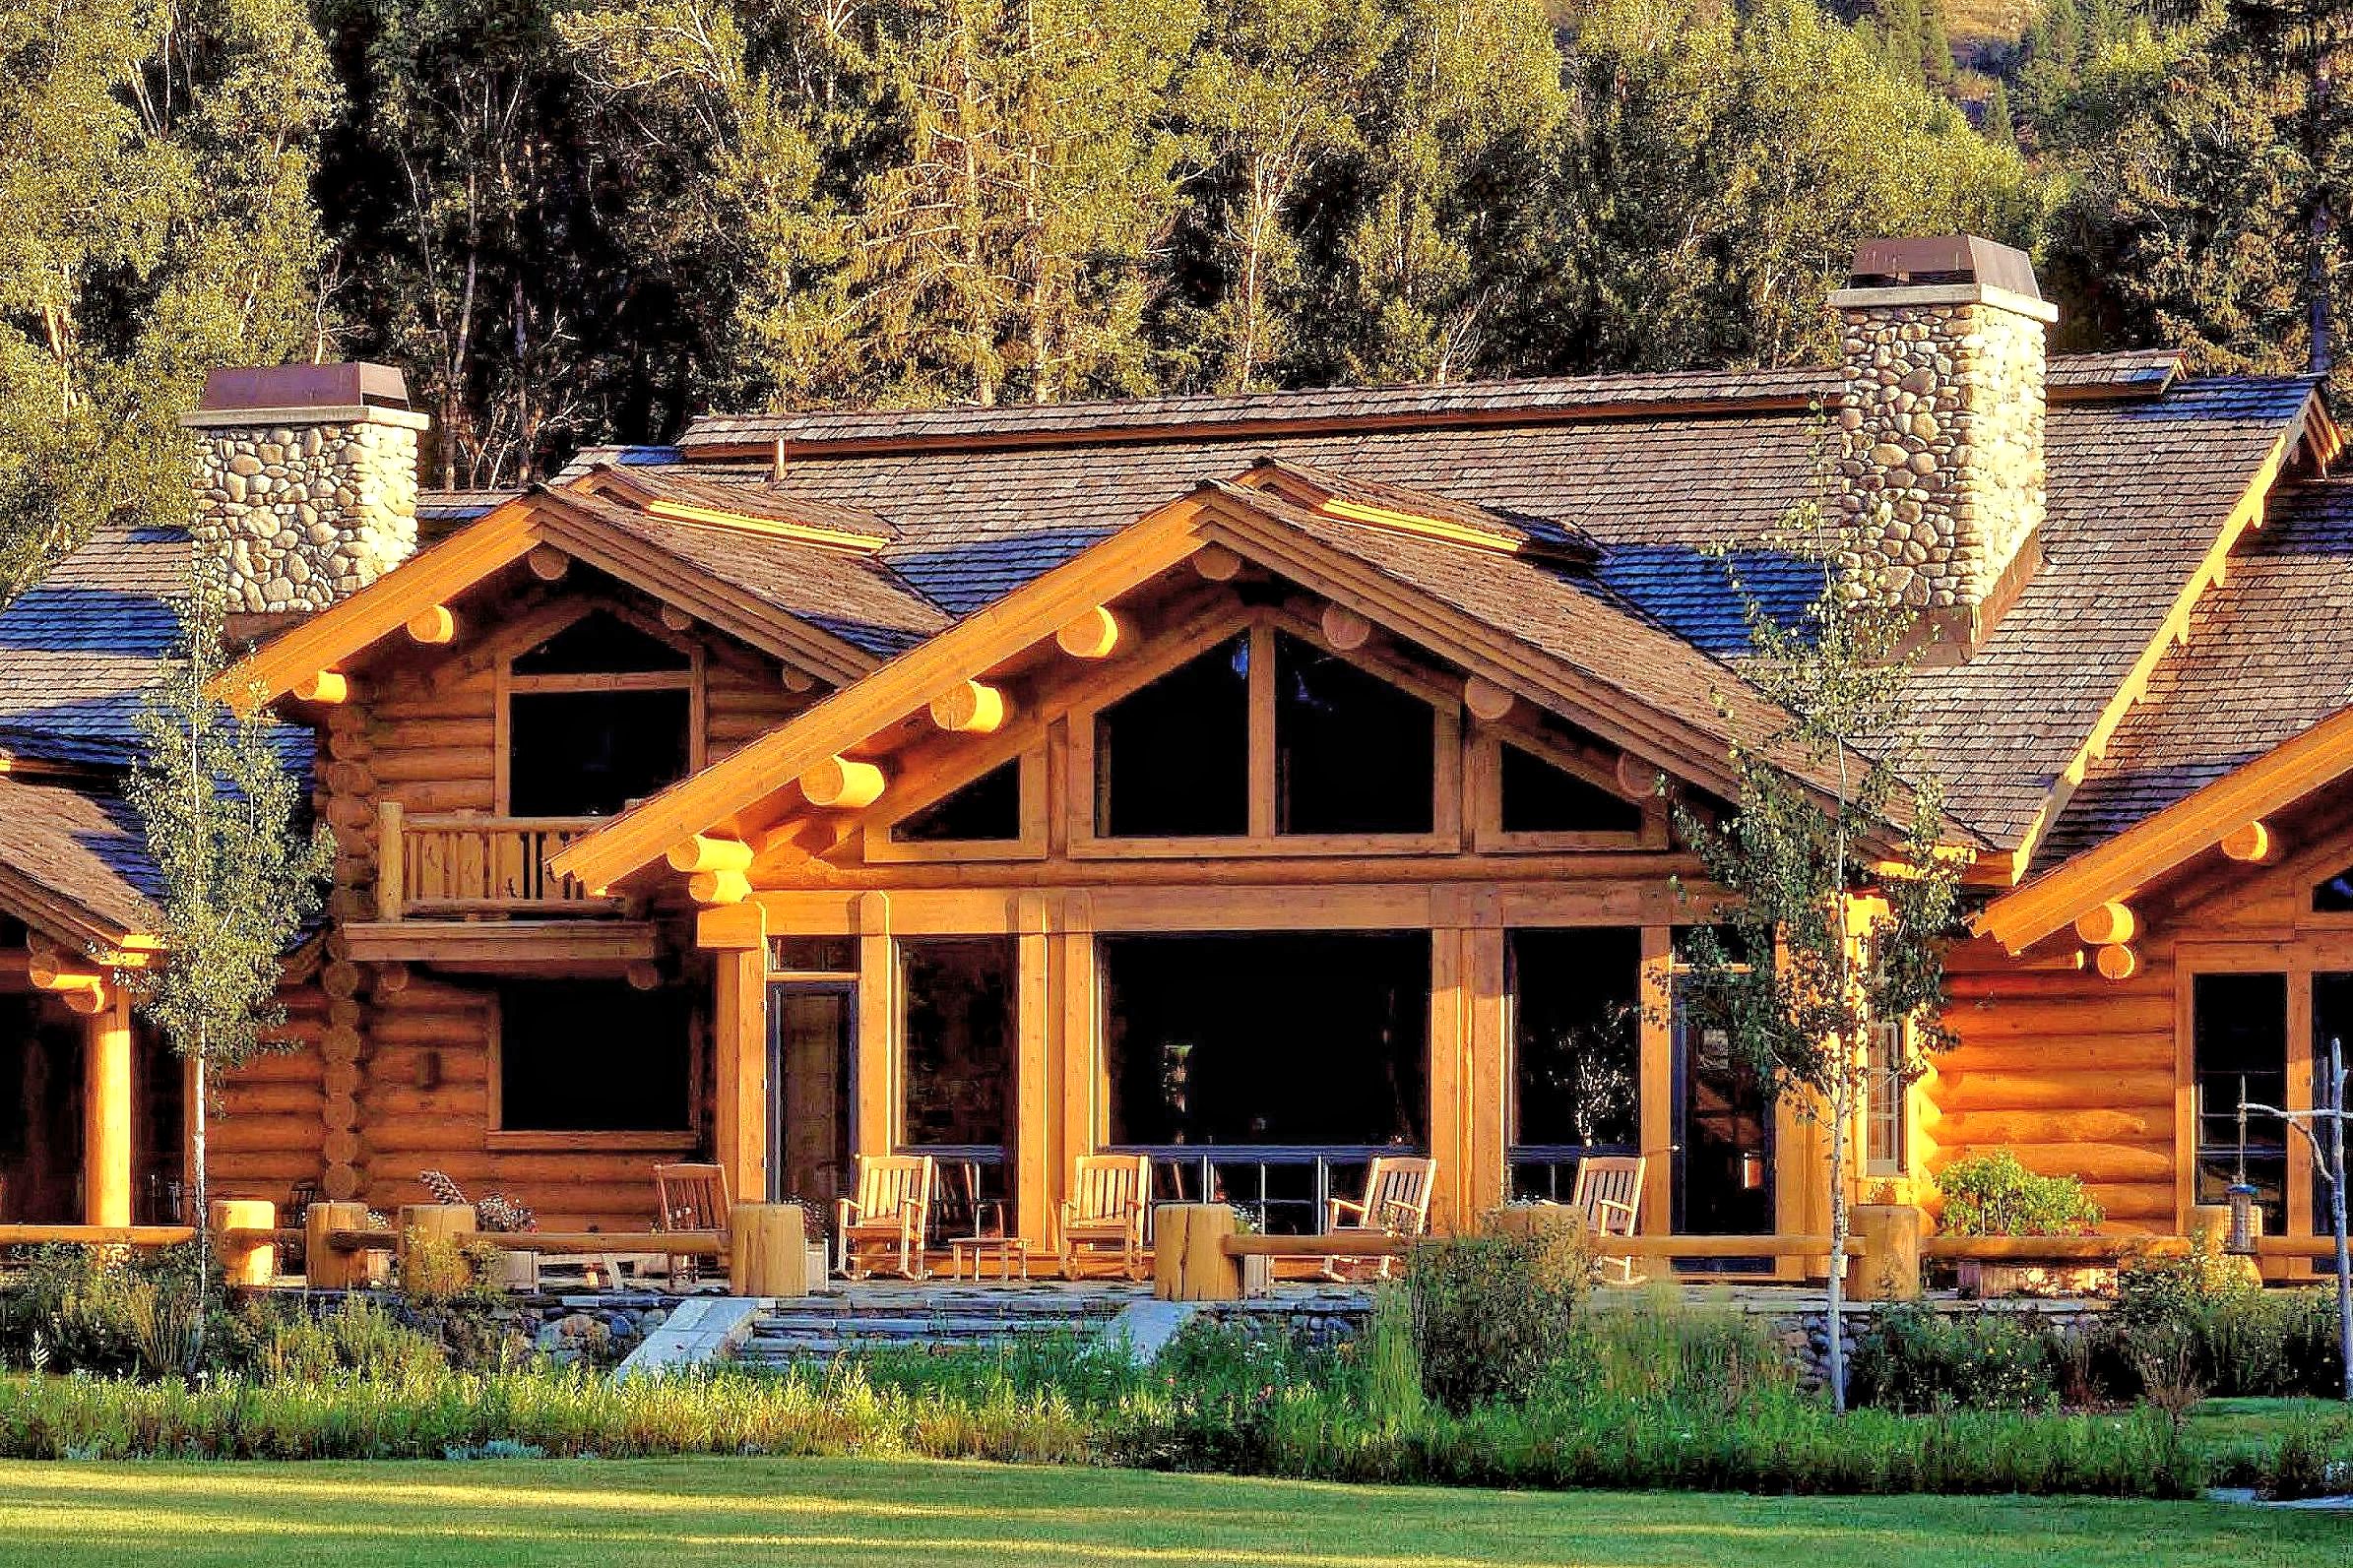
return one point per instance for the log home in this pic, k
(1259, 783)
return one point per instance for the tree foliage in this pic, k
(1837, 901)
(155, 166)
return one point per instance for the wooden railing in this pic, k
(455, 864)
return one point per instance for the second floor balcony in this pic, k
(471, 866)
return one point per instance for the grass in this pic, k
(856, 1513)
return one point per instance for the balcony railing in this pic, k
(458, 865)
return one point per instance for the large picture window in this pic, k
(1576, 1065)
(594, 1056)
(960, 1040)
(1309, 1038)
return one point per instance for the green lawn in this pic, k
(677, 1513)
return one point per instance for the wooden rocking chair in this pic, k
(1396, 1203)
(892, 1210)
(1609, 1194)
(690, 1198)
(1105, 1213)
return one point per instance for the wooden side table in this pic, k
(1010, 1252)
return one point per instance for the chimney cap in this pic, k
(1942, 259)
(345, 386)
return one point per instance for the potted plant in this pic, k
(1993, 1195)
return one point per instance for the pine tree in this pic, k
(1997, 128)
(1832, 923)
(220, 811)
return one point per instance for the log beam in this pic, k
(676, 619)
(434, 624)
(703, 853)
(1344, 628)
(842, 783)
(1215, 563)
(719, 887)
(2118, 962)
(326, 686)
(1486, 700)
(2252, 842)
(797, 681)
(547, 563)
(1097, 634)
(2110, 924)
(971, 708)
(1637, 779)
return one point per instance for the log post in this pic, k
(1888, 1268)
(325, 1268)
(1188, 1261)
(389, 869)
(248, 1265)
(431, 1222)
(106, 1113)
(768, 1250)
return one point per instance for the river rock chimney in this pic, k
(1941, 426)
(307, 481)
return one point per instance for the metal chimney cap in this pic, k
(291, 386)
(1942, 259)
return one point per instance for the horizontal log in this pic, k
(2089, 1162)
(29, 1236)
(1971, 1088)
(2092, 1124)
(2048, 1249)
(2130, 1010)
(2084, 1053)
(676, 1243)
(431, 765)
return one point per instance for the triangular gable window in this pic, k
(600, 643)
(1353, 753)
(1539, 798)
(2335, 895)
(1173, 757)
(986, 810)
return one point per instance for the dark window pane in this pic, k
(1268, 1038)
(594, 1056)
(813, 955)
(989, 807)
(1539, 798)
(1173, 758)
(576, 754)
(2239, 1051)
(1353, 753)
(599, 643)
(960, 1040)
(1576, 1008)
(2334, 896)
(2333, 1021)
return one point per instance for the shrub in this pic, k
(1914, 1358)
(1664, 1349)
(111, 1311)
(2304, 1462)
(1492, 1313)
(445, 1271)
(357, 1336)
(2199, 1319)
(1993, 1195)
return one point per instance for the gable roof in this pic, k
(78, 649)
(1535, 625)
(836, 612)
(73, 863)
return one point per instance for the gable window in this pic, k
(1538, 798)
(986, 810)
(1353, 753)
(600, 713)
(1173, 757)
(594, 1056)
(2335, 895)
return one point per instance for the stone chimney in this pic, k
(1941, 415)
(307, 481)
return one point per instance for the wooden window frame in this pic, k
(1484, 797)
(693, 680)
(497, 1136)
(2329, 951)
(1021, 745)
(1444, 835)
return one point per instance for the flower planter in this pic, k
(1987, 1282)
